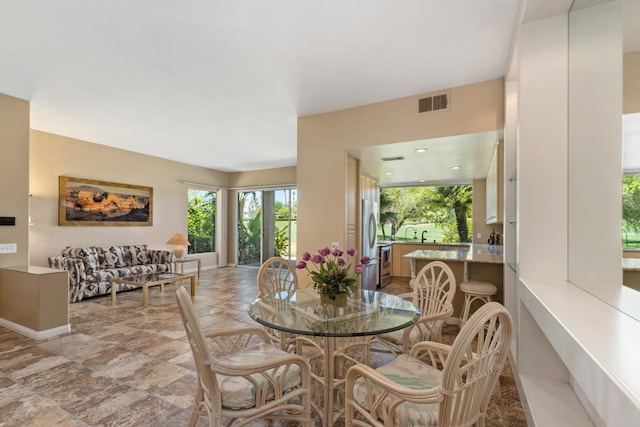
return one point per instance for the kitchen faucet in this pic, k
(423, 232)
(415, 232)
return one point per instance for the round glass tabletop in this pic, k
(302, 312)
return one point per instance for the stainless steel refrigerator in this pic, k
(369, 244)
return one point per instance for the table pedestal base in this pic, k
(330, 358)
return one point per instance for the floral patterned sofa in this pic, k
(92, 268)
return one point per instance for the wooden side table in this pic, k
(182, 262)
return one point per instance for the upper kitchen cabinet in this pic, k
(495, 188)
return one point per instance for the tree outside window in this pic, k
(434, 213)
(201, 218)
(631, 211)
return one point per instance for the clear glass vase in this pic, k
(339, 300)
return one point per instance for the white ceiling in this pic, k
(220, 83)
(451, 160)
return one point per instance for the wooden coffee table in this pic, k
(152, 279)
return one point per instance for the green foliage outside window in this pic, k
(249, 227)
(449, 207)
(201, 221)
(631, 211)
(282, 241)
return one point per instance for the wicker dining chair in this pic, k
(278, 275)
(412, 390)
(242, 376)
(433, 292)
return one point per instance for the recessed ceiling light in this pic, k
(388, 173)
(455, 168)
(420, 150)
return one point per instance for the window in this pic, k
(201, 211)
(426, 214)
(266, 225)
(631, 211)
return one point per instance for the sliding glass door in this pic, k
(266, 225)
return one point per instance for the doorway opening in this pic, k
(266, 224)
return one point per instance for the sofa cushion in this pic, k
(108, 259)
(139, 255)
(91, 263)
(123, 256)
(79, 252)
(107, 274)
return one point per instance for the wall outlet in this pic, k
(479, 235)
(8, 248)
(334, 245)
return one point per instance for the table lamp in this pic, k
(180, 240)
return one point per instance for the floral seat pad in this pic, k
(396, 336)
(411, 373)
(238, 392)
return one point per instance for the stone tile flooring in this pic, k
(123, 365)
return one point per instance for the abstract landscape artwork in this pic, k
(90, 202)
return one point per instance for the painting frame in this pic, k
(90, 202)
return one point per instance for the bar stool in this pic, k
(475, 290)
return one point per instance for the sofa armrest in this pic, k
(77, 275)
(161, 256)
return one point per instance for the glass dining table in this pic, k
(331, 335)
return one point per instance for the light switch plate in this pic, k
(8, 248)
(479, 235)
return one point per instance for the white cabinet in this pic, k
(494, 187)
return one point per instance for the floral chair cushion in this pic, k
(411, 373)
(237, 392)
(396, 336)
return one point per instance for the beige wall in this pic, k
(323, 141)
(54, 155)
(631, 83)
(14, 177)
(263, 178)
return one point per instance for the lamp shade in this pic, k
(180, 240)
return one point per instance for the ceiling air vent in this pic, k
(391, 159)
(433, 103)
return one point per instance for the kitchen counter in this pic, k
(631, 264)
(468, 262)
(417, 242)
(470, 253)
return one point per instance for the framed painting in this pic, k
(90, 202)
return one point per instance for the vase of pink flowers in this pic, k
(332, 277)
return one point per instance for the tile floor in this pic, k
(124, 365)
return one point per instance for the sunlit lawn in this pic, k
(631, 239)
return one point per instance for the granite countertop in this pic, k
(396, 242)
(631, 264)
(476, 253)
